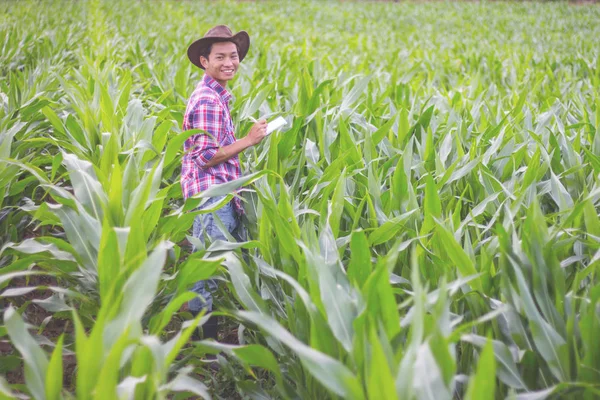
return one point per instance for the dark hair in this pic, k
(208, 49)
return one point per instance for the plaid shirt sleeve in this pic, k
(207, 116)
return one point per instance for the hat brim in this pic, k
(241, 39)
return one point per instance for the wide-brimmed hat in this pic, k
(219, 33)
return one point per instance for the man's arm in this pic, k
(255, 136)
(206, 151)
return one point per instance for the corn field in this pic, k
(425, 227)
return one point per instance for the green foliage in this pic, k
(425, 227)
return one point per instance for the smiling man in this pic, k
(211, 157)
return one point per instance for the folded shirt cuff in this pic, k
(204, 157)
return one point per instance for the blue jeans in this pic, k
(205, 224)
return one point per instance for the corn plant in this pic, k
(425, 227)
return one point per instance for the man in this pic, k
(212, 157)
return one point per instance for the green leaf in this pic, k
(548, 342)
(54, 376)
(248, 296)
(195, 269)
(259, 356)
(88, 190)
(381, 302)
(429, 381)
(5, 392)
(160, 321)
(332, 374)
(459, 257)
(360, 265)
(389, 229)
(33, 246)
(107, 380)
(337, 204)
(356, 91)
(223, 189)
(380, 381)
(399, 185)
(184, 383)
(383, 130)
(483, 383)
(432, 205)
(83, 233)
(36, 363)
(138, 293)
(507, 370)
(109, 261)
(440, 348)
(340, 305)
(89, 353)
(176, 144)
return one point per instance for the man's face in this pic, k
(222, 62)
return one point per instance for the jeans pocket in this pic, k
(227, 217)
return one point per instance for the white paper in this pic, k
(275, 124)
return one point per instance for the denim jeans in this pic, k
(205, 224)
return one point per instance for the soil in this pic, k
(35, 316)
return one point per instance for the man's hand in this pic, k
(256, 135)
(257, 132)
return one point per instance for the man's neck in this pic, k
(222, 83)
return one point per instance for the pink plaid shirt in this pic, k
(208, 110)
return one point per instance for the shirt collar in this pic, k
(216, 86)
